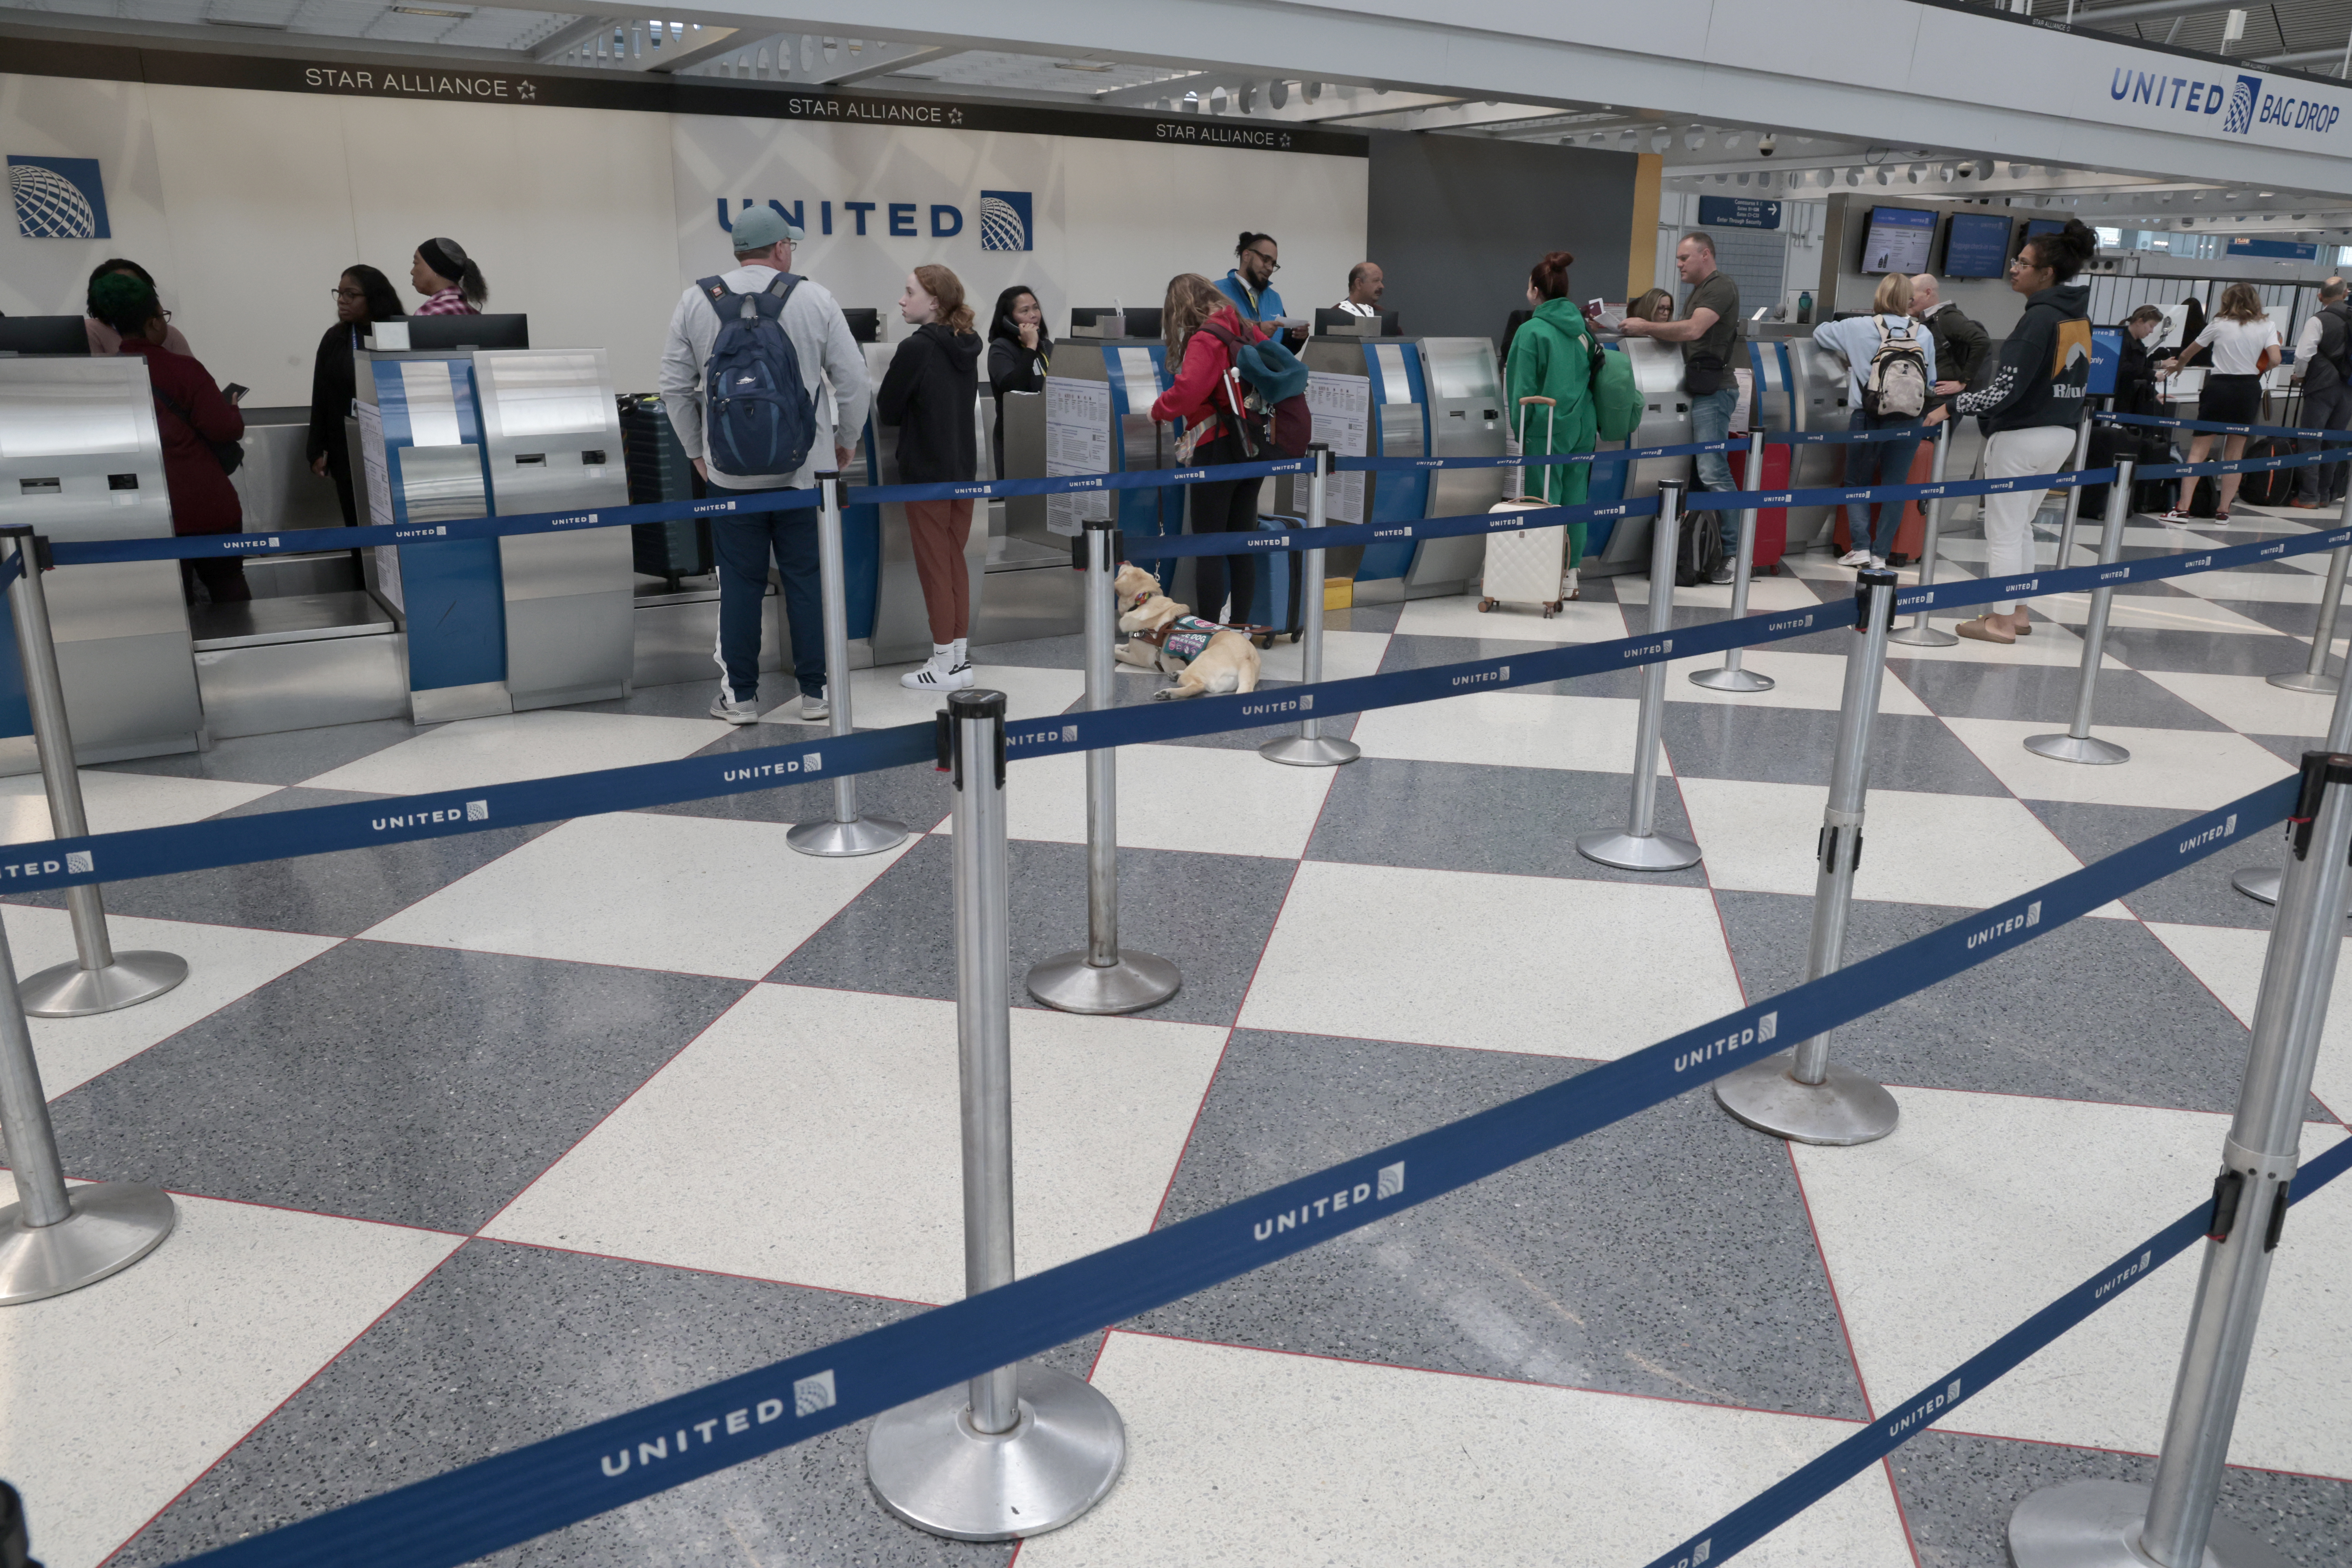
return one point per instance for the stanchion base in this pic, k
(1310, 752)
(1847, 1109)
(2077, 749)
(69, 991)
(866, 836)
(2260, 884)
(928, 1467)
(2096, 1524)
(2303, 681)
(1067, 983)
(1922, 637)
(1638, 852)
(114, 1225)
(1732, 680)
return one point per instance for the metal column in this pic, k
(1098, 977)
(1311, 748)
(2091, 1524)
(1732, 676)
(1919, 634)
(1801, 1095)
(2313, 675)
(2077, 745)
(846, 832)
(1021, 1449)
(1640, 847)
(100, 980)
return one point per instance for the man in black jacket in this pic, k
(1961, 345)
(2320, 363)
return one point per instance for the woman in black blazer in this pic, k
(363, 297)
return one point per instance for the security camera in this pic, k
(1768, 144)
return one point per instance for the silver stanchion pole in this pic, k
(1801, 1095)
(2074, 494)
(1640, 847)
(1099, 977)
(1919, 634)
(99, 979)
(2090, 1524)
(2313, 675)
(846, 832)
(1311, 748)
(2077, 745)
(55, 1239)
(2261, 883)
(1021, 1449)
(1732, 676)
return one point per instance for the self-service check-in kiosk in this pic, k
(1094, 416)
(1613, 545)
(80, 459)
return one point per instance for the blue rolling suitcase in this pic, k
(1274, 600)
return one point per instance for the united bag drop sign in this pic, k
(2280, 112)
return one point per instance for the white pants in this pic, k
(2009, 515)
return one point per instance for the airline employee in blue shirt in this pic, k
(1250, 285)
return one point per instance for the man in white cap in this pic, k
(743, 541)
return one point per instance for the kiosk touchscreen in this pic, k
(43, 335)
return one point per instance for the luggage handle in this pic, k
(1551, 417)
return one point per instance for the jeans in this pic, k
(742, 543)
(2328, 409)
(1711, 421)
(1876, 463)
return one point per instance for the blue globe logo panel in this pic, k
(58, 198)
(1005, 220)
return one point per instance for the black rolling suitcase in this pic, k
(659, 470)
(1273, 595)
(2268, 487)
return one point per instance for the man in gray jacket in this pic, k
(1961, 345)
(744, 541)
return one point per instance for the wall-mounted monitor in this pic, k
(2036, 228)
(1898, 239)
(1976, 244)
(469, 332)
(865, 322)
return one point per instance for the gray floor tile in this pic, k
(1038, 653)
(2094, 1010)
(1667, 1255)
(2288, 748)
(687, 699)
(2297, 621)
(1957, 690)
(506, 1345)
(2208, 653)
(414, 1085)
(1208, 915)
(282, 759)
(1959, 1492)
(1421, 653)
(1363, 618)
(1797, 745)
(2200, 895)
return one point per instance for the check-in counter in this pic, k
(80, 459)
(1130, 373)
(1623, 544)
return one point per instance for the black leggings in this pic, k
(1223, 506)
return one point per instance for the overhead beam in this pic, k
(2149, 11)
(578, 31)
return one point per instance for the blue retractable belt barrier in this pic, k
(2237, 465)
(1740, 500)
(1841, 437)
(496, 1502)
(2161, 422)
(1169, 546)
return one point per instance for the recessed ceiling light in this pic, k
(430, 11)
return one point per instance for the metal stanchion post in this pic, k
(99, 979)
(2074, 494)
(2092, 1524)
(2077, 745)
(1099, 977)
(1640, 847)
(1919, 634)
(2313, 675)
(1801, 1095)
(1021, 1449)
(55, 1239)
(1311, 748)
(1732, 676)
(846, 832)
(2261, 883)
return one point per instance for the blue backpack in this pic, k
(760, 417)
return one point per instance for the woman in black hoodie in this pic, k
(1020, 353)
(930, 393)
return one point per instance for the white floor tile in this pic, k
(2049, 644)
(1302, 1460)
(511, 747)
(117, 802)
(1346, 655)
(120, 1393)
(1579, 620)
(1212, 799)
(2229, 960)
(1510, 729)
(1556, 966)
(724, 1161)
(2254, 587)
(876, 700)
(1764, 594)
(1968, 850)
(2191, 770)
(2249, 703)
(693, 894)
(224, 962)
(1802, 680)
(2169, 613)
(1981, 1208)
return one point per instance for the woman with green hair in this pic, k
(1551, 356)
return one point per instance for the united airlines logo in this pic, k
(58, 198)
(2226, 829)
(2242, 103)
(2242, 98)
(1387, 1183)
(1006, 221)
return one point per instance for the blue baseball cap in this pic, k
(756, 228)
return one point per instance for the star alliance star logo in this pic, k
(955, 117)
(527, 91)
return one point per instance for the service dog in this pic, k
(1207, 659)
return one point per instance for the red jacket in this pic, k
(202, 499)
(1196, 398)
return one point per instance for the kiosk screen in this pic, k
(1897, 240)
(1977, 246)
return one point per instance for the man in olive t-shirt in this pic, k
(1709, 326)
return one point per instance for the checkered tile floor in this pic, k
(487, 1137)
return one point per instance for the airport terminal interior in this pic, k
(477, 1133)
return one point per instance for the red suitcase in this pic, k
(1913, 529)
(1772, 523)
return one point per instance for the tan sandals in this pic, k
(1981, 629)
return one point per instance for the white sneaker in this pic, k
(1878, 563)
(1568, 588)
(1854, 558)
(816, 707)
(733, 709)
(932, 674)
(961, 675)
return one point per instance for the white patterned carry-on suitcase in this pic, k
(1529, 567)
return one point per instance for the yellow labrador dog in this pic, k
(1207, 659)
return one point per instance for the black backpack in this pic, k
(1699, 552)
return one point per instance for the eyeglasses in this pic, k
(1272, 266)
(348, 293)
